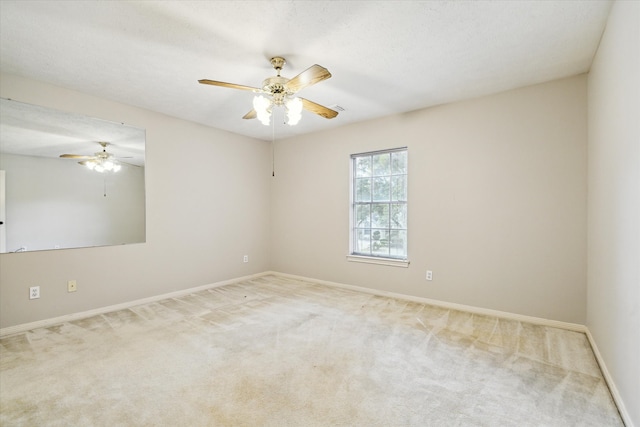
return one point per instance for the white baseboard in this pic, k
(453, 306)
(626, 418)
(449, 305)
(10, 330)
(495, 313)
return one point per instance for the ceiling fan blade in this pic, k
(318, 109)
(75, 156)
(128, 164)
(250, 115)
(308, 77)
(230, 85)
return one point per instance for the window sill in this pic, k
(380, 261)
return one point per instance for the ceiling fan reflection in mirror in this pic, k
(280, 91)
(102, 161)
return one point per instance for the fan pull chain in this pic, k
(273, 148)
(105, 186)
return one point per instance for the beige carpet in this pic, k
(280, 352)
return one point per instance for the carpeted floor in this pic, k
(280, 352)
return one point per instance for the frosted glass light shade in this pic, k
(294, 111)
(262, 106)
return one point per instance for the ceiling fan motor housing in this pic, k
(276, 86)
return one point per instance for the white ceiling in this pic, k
(32, 130)
(386, 57)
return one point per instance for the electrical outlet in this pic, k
(429, 275)
(246, 258)
(34, 292)
(72, 286)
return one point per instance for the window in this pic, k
(379, 205)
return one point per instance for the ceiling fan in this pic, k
(102, 161)
(280, 91)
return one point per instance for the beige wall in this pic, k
(207, 206)
(614, 202)
(497, 190)
(497, 194)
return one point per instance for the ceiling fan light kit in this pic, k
(262, 106)
(102, 161)
(102, 165)
(280, 91)
(294, 111)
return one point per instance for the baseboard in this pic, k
(453, 306)
(495, 313)
(10, 330)
(448, 305)
(626, 418)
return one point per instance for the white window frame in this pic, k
(371, 258)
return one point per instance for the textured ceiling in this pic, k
(32, 130)
(386, 57)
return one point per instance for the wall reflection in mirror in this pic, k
(68, 180)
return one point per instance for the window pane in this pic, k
(363, 189)
(381, 189)
(398, 243)
(380, 215)
(398, 216)
(363, 241)
(382, 164)
(399, 188)
(363, 166)
(380, 242)
(363, 216)
(379, 206)
(399, 162)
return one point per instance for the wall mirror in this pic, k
(56, 189)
